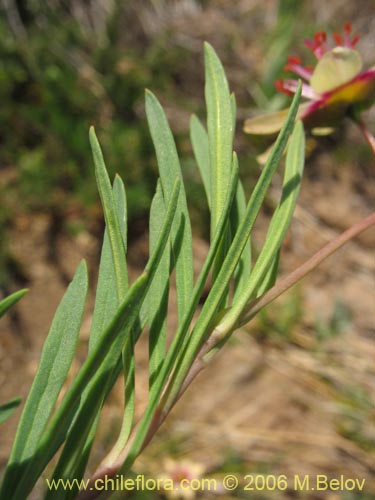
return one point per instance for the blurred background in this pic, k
(291, 394)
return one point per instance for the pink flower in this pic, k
(335, 88)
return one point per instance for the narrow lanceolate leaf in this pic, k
(220, 285)
(199, 142)
(220, 132)
(242, 272)
(158, 293)
(111, 219)
(57, 355)
(128, 350)
(119, 196)
(9, 301)
(106, 300)
(279, 224)
(156, 303)
(108, 346)
(169, 168)
(7, 409)
(180, 336)
(271, 275)
(73, 459)
(100, 358)
(233, 104)
(128, 360)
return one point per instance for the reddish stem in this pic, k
(253, 308)
(292, 278)
(284, 284)
(367, 134)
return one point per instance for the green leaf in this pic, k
(7, 409)
(158, 293)
(233, 105)
(12, 299)
(73, 459)
(119, 196)
(99, 359)
(242, 272)
(206, 317)
(56, 358)
(169, 168)
(220, 132)
(279, 224)
(219, 288)
(271, 275)
(110, 215)
(160, 278)
(98, 366)
(106, 301)
(128, 350)
(199, 142)
(180, 336)
(220, 121)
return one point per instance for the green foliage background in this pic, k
(66, 65)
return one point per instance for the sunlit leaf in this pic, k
(158, 293)
(278, 226)
(100, 358)
(73, 459)
(111, 219)
(169, 169)
(220, 132)
(199, 141)
(56, 358)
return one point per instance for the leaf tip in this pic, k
(92, 137)
(83, 266)
(207, 46)
(149, 94)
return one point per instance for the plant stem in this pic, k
(284, 284)
(249, 312)
(366, 133)
(288, 281)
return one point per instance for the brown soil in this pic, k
(292, 405)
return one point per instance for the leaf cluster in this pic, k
(123, 310)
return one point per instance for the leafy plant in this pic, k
(123, 310)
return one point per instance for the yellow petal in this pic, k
(357, 91)
(335, 68)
